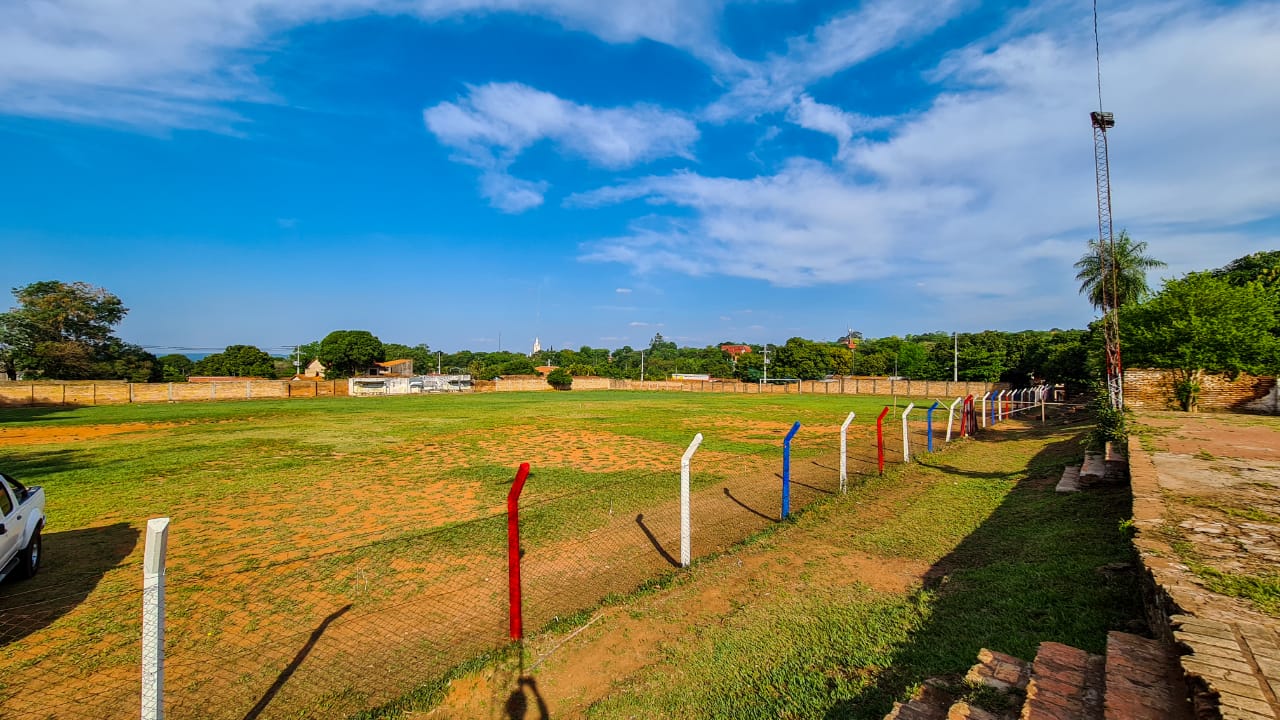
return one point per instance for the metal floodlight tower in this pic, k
(1106, 251)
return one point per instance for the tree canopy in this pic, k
(1201, 323)
(237, 361)
(64, 331)
(346, 353)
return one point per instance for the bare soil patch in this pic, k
(1220, 476)
(74, 433)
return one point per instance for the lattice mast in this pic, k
(1106, 251)
(1101, 121)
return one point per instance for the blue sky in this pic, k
(454, 171)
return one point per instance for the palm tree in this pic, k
(1131, 265)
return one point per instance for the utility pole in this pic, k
(955, 357)
(642, 364)
(297, 361)
(766, 363)
(439, 355)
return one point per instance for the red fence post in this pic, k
(880, 438)
(513, 551)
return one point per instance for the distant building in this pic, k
(395, 368)
(537, 347)
(546, 369)
(736, 350)
(314, 369)
(690, 377)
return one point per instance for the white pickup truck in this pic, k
(21, 520)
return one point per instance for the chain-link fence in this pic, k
(347, 614)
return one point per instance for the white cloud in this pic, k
(831, 120)
(846, 40)
(623, 291)
(991, 185)
(494, 123)
(160, 64)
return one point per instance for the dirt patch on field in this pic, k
(55, 435)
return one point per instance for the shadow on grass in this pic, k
(1031, 572)
(11, 412)
(28, 467)
(73, 565)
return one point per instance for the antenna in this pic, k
(1101, 121)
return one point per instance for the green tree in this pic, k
(346, 353)
(560, 379)
(118, 360)
(1260, 267)
(1200, 323)
(424, 361)
(60, 330)
(237, 361)
(1127, 271)
(175, 367)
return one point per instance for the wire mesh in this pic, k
(350, 614)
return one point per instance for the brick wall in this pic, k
(121, 393)
(1148, 389)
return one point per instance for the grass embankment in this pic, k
(814, 627)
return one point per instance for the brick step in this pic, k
(1000, 671)
(929, 703)
(964, 711)
(1066, 684)
(1070, 482)
(1143, 681)
(1094, 469)
(1116, 462)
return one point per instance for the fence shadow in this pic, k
(293, 665)
(653, 540)
(75, 561)
(748, 508)
(1031, 572)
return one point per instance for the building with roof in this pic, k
(402, 367)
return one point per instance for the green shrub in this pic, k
(560, 379)
(1110, 425)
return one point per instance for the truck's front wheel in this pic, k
(29, 558)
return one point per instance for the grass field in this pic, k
(327, 555)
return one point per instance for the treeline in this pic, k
(1222, 320)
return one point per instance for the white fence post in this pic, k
(153, 619)
(844, 436)
(951, 413)
(684, 499)
(906, 445)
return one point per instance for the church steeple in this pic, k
(537, 347)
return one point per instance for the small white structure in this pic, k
(391, 385)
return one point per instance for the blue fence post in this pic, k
(994, 400)
(929, 419)
(786, 470)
